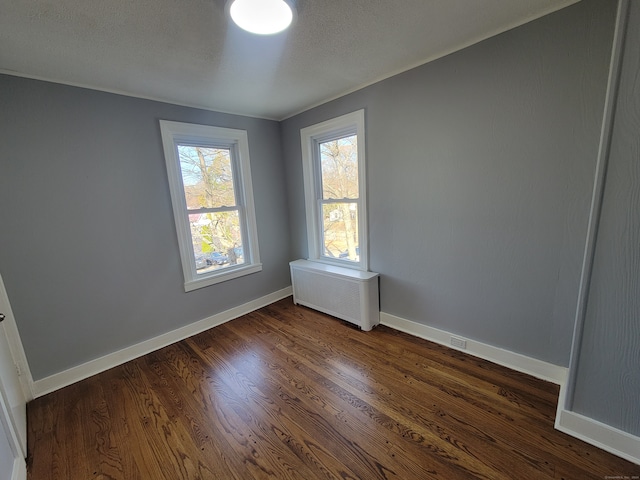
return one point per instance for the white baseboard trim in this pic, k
(595, 433)
(603, 436)
(19, 469)
(515, 361)
(75, 374)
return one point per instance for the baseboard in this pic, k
(515, 361)
(75, 374)
(19, 469)
(603, 436)
(595, 433)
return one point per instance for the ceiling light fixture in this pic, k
(264, 17)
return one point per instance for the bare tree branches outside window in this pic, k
(339, 175)
(210, 196)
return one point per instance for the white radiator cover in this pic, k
(351, 295)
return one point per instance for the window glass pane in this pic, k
(207, 176)
(216, 240)
(340, 231)
(339, 166)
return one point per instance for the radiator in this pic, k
(351, 295)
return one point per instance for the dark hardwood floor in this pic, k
(289, 393)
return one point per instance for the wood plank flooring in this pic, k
(289, 393)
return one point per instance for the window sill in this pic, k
(340, 263)
(219, 277)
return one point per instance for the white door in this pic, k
(13, 397)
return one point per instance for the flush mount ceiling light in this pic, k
(263, 17)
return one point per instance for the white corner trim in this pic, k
(75, 374)
(515, 361)
(19, 469)
(603, 436)
(589, 430)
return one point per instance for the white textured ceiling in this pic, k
(187, 52)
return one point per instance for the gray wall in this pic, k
(89, 250)
(480, 170)
(607, 385)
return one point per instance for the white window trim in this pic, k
(174, 133)
(310, 138)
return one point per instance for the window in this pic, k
(334, 183)
(212, 197)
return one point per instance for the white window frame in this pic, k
(178, 133)
(311, 137)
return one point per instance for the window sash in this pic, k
(322, 155)
(335, 242)
(194, 211)
(236, 180)
(198, 165)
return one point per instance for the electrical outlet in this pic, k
(458, 342)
